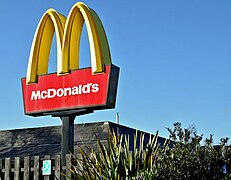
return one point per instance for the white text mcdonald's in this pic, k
(71, 88)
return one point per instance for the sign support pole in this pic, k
(68, 132)
(67, 136)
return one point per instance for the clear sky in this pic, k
(174, 55)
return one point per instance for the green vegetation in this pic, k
(188, 158)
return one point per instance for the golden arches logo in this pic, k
(68, 33)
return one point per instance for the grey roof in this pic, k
(47, 140)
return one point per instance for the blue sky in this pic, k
(174, 56)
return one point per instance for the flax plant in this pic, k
(115, 161)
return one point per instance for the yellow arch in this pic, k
(100, 53)
(68, 42)
(40, 50)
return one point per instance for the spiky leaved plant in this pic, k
(116, 161)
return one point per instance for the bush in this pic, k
(186, 159)
(116, 161)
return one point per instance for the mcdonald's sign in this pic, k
(71, 89)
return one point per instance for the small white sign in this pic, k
(46, 167)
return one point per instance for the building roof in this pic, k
(47, 140)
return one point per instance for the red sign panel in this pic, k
(77, 90)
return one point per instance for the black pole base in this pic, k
(67, 136)
(68, 119)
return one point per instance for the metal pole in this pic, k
(67, 136)
(117, 118)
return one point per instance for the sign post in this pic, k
(71, 91)
(67, 136)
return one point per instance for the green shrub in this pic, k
(116, 161)
(187, 158)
